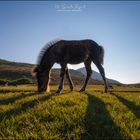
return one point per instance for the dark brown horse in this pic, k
(68, 52)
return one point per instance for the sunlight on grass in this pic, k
(71, 115)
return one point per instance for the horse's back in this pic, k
(75, 44)
(73, 51)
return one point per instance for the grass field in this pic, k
(24, 114)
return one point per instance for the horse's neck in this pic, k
(46, 63)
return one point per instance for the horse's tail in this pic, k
(101, 55)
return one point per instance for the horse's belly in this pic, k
(76, 60)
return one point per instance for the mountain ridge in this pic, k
(97, 76)
(11, 70)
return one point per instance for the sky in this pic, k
(25, 27)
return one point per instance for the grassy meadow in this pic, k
(25, 114)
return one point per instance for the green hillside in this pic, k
(12, 70)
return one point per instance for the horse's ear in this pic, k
(34, 70)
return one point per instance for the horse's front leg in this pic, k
(62, 74)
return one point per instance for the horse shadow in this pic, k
(24, 107)
(15, 98)
(98, 123)
(130, 104)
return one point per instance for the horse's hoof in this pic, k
(81, 90)
(58, 92)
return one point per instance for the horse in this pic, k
(66, 52)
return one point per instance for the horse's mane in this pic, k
(45, 48)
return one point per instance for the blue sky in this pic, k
(26, 26)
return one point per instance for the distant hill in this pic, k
(15, 70)
(136, 85)
(97, 76)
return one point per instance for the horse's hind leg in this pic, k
(89, 72)
(102, 72)
(62, 74)
(69, 79)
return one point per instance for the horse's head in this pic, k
(42, 78)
